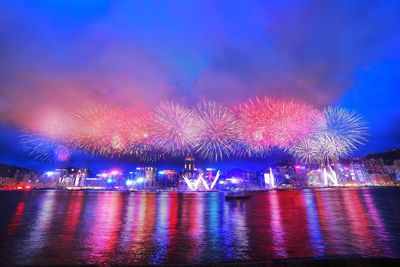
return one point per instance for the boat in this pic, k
(237, 195)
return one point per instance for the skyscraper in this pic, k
(189, 164)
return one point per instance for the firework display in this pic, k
(43, 148)
(216, 135)
(172, 128)
(100, 130)
(141, 142)
(339, 137)
(267, 123)
(209, 129)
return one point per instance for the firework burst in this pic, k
(347, 125)
(55, 126)
(343, 131)
(252, 118)
(172, 128)
(292, 121)
(216, 135)
(142, 145)
(266, 123)
(305, 150)
(44, 148)
(101, 130)
(210, 130)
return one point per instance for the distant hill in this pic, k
(10, 171)
(388, 156)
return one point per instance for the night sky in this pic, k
(58, 56)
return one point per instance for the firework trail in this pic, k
(216, 135)
(172, 128)
(44, 148)
(142, 145)
(347, 125)
(252, 122)
(49, 139)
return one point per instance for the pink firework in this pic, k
(266, 123)
(172, 128)
(253, 118)
(100, 130)
(55, 126)
(292, 121)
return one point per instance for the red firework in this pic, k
(266, 123)
(141, 142)
(100, 130)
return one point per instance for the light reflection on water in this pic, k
(59, 227)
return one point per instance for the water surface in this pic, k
(61, 227)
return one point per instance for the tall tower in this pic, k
(189, 164)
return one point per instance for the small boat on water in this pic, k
(237, 195)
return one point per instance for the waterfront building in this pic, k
(269, 179)
(189, 164)
(167, 179)
(95, 182)
(375, 166)
(396, 164)
(150, 177)
(145, 177)
(68, 177)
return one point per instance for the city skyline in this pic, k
(200, 132)
(376, 170)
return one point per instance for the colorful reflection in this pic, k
(277, 228)
(15, 222)
(49, 227)
(314, 227)
(104, 228)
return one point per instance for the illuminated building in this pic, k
(95, 182)
(375, 166)
(249, 178)
(189, 164)
(269, 179)
(396, 164)
(68, 177)
(300, 175)
(111, 179)
(150, 176)
(147, 175)
(314, 178)
(167, 178)
(360, 173)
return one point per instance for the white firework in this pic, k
(216, 136)
(172, 128)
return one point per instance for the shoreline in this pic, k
(184, 192)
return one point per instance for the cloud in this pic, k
(66, 55)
